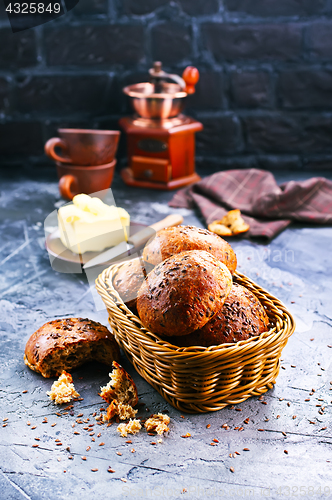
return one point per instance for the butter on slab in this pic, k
(89, 225)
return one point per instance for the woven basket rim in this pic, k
(104, 283)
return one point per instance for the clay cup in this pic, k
(83, 147)
(76, 179)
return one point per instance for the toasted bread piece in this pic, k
(230, 225)
(157, 423)
(220, 229)
(63, 390)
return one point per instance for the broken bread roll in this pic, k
(63, 390)
(230, 225)
(120, 393)
(121, 387)
(65, 344)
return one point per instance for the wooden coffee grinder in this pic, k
(161, 140)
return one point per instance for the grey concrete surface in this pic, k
(295, 415)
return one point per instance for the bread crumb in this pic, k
(63, 390)
(158, 423)
(132, 427)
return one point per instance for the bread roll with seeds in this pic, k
(173, 240)
(128, 280)
(241, 317)
(65, 344)
(182, 293)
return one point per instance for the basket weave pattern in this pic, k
(199, 379)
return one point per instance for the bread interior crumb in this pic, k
(122, 410)
(119, 388)
(132, 427)
(157, 423)
(63, 390)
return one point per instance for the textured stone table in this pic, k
(291, 457)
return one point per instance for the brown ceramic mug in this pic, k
(83, 147)
(76, 179)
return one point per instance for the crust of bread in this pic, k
(65, 344)
(182, 293)
(173, 240)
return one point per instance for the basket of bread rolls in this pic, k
(201, 333)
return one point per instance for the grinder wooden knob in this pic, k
(191, 77)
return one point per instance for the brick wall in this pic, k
(264, 96)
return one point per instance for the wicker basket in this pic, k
(198, 379)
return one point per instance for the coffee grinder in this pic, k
(160, 139)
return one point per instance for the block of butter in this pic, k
(89, 225)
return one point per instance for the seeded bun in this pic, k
(241, 317)
(173, 240)
(65, 344)
(128, 280)
(182, 293)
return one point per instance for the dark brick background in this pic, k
(264, 96)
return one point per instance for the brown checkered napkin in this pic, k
(267, 207)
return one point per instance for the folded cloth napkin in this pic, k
(266, 207)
